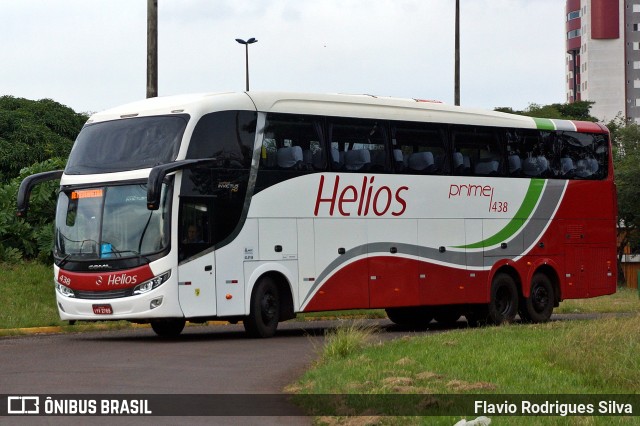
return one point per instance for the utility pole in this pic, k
(456, 95)
(152, 48)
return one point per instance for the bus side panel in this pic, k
(341, 280)
(345, 289)
(306, 259)
(441, 284)
(393, 275)
(230, 274)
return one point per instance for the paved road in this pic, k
(204, 360)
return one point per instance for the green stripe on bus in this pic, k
(524, 212)
(544, 124)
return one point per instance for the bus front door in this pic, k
(197, 286)
(196, 268)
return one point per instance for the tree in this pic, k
(572, 111)
(625, 136)
(35, 136)
(34, 131)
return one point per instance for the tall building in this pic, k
(603, 56)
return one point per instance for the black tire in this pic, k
(446, 316)
(264, 309)
(538, 307)
(503, 306)
(478, 316)
(410, 316)
(168, 327)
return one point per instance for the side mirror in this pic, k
(24, 193)
(158, 173)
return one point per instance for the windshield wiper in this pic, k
(119, 253)
(64, 260)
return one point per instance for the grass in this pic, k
(346, 314)
(558, 358)
(27, 296)
(346, 340)
(624, 300)
(371, 380)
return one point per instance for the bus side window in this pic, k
(358, 145)
(582, 155)
(227, 136)
(418, 148)
(293, 143)
(476, 151)
(194, 232)
(527, 154)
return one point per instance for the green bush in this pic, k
(34, 131)
(31, 237)
(35, 136)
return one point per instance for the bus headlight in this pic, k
(149, 285)
(64, 290)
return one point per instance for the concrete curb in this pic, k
(58, 329)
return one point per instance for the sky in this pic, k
(91, 54)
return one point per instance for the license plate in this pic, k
(102, 309)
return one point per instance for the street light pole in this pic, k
(246, 46)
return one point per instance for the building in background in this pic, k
(603, 56)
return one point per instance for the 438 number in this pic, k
(499, 207)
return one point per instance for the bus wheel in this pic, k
(264, 310)
(503, 305)
(410, 317)
(447, 317)
(539, 305)
(168, 327)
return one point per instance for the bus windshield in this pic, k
(110, 222)
(120, 145)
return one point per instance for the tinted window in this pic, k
(292, 142)
(581, 155)
(560, 155)
(228, 136)
(529, 154)
(358, 145)
(212, 203)
(419, 148)
(133, 143)
(476, 151)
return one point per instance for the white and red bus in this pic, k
(255, 206)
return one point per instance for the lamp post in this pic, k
(246, 46)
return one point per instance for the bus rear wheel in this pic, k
(415, 316)
(264, 312)
(503, 305)
(171, 327)
(446, 315)
(538, 307)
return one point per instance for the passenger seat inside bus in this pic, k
(422, 162)
(567, 168)
(398, 160)
(487, 167)
(515, 165)
(290, 157)
(357, 160)
(461, 163)
(337, 159)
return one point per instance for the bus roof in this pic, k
(340, 105)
